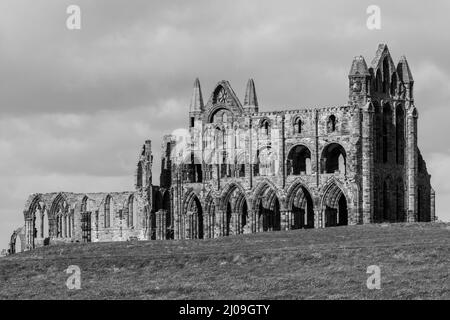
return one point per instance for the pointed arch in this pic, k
(38, 214)
(193, 217)
(299, 201)
(133, 213)
(86, 221)
(232, 199)
(210, 211)
(223, 95)
(263, 186)
(60, 211)
(267, 205)
(335, 205)
(107, 211)
(17, 241)
(241, 207)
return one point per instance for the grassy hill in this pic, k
(302, 264)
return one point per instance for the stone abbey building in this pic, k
(238, 169)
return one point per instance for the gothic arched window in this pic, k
(108, 212)
(298, 126)
(378, 81)
(385, 75)
(130, 217)
(331, 124)
(393, 84)
(265, 126)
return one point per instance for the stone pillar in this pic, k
(432, 205)
(195, 226)
(188, 225)
(258, 219)
(234, 223)
(367, 165)
(176, 226)
(285, 220)
(206, 221)
(412, 165)
(251, 221)
(29, 234)
(161, 225)
(182, 226)
(318, 218)
(289, 219)
(212, 221)
(219, 225)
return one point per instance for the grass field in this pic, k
(303, 264)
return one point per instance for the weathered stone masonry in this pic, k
(240, 170)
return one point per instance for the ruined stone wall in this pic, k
(237, 169)
(381, 179)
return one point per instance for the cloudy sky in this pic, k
(75, 106)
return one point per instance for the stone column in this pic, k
(212, 221)
(188, 225)
(318, 218)
(29, 234)
(289, 220)
(182, 226)
(234, 224)
(206, 221)
(176, 226)
(258, 220)
(367, 165)
(412, 165)
(251, 221)
(160, 225)
(219, 225)
(195, 226)
(285, 223)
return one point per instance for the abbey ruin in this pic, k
(237, 169)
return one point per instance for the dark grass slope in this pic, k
(302, 264)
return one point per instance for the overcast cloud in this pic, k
(75, 106)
